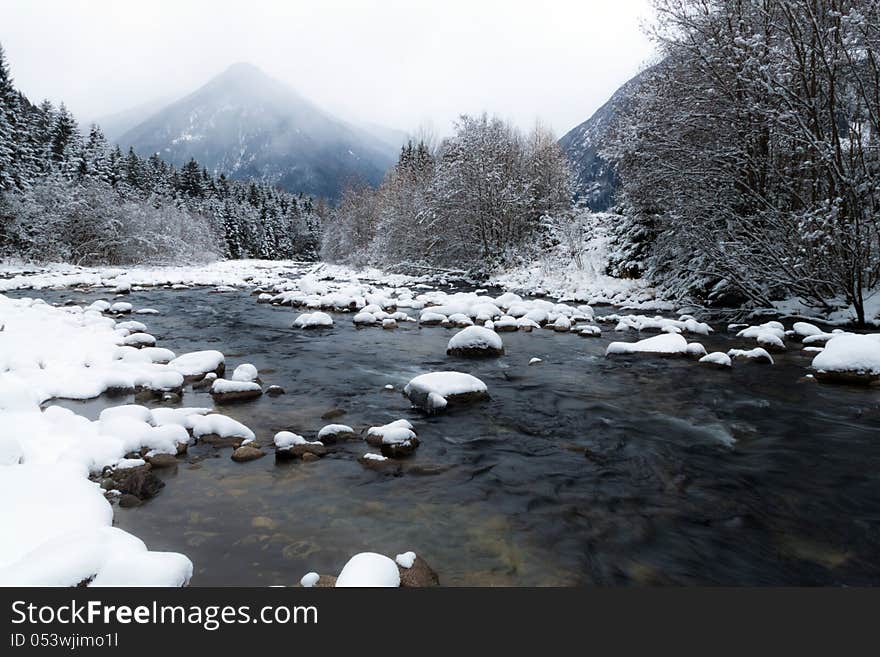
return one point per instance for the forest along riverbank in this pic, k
(579, 469)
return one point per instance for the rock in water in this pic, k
(335, 432)
(225, 391)
(289, 445)
(419, 574)
(434, 391)
(475, 342)
(369, 569)
(247, 453)
(849, 358)
(143, 484)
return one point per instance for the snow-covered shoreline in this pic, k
(58, 528)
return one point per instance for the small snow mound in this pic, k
(309, 580)
(369, 569)
(313, 321)
(245, 372)
(198, 363)
(758, 355)
(717, 358)
(406, 560)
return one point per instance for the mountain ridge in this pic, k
(595, 177)
(247, 125)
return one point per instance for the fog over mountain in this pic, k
(250, 126)
(397, 63)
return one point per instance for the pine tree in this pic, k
(65, 146)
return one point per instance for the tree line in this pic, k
(72, 197)
(486, 196)
(750, 159)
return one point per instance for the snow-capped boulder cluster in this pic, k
(769, 336)
(643, 324)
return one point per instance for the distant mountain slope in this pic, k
(117, 124)
(596, 178)
(248, 125)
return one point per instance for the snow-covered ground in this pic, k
(560, 275)
(57, 524)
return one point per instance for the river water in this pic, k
(580, 470)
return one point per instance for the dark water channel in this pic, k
(581, 470)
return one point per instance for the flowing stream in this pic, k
(580, 470)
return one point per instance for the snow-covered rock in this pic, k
(332, 433)
(394, 439)
(716, 359)
(316, 320)
(849, 358)
(369, 569)
(290, 445)
(805, 329)
(429, 318)
(245, 372)
(219, 429)
(364, 319)
(406, 560)
(309, 580)
(644, 323)
(667, 344)
(475, 341)
(196, 364)
(225, 391)
(757, 355)
(562, 324)
(434, 391)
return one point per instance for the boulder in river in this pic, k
(335, 432)
(417, 574)
(195, 365)
(849, 358)
(289, 445)
(225, 391)
(141, 483)
(756, 355)
(434, 391)
(275, 391)
(379, 462)
(475, 342)
(158, 461)
(247, 453)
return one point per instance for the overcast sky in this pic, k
(399, 63)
